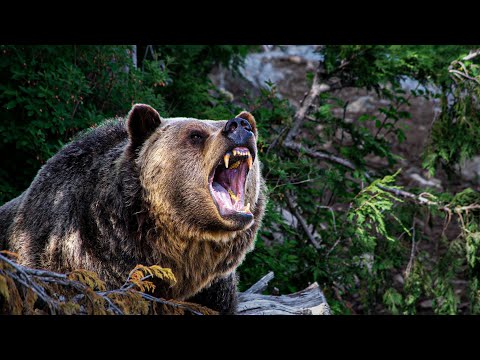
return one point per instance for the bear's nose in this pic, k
(238, 130)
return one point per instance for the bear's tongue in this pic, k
(229, 188)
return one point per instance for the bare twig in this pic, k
(322, 155)
(277, 139)
(412, 252)
(473, 54)
(332, 248)
(333, 215)
(261, 284)
(461, 74)
(114, 308)
(408, 195)
(315, 90)
(302, 221)
(166, 302)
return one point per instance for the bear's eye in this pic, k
(196, 137)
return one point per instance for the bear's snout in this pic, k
(238, 130)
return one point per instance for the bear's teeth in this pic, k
(226, 159)
(247, 208)
(249, 161)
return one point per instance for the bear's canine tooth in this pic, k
(226, 159)
(249, 161)
(247, 208)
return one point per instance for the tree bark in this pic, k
(309, 301)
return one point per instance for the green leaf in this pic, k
(11, 104)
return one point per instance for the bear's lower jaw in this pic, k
(220, 235)
(238, 221)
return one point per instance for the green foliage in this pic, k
(372, 65)
(456, 133)
(369, 209)
(49, 93)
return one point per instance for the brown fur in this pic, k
(195, 253)
(132, 192)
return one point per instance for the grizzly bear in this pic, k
(182, 193)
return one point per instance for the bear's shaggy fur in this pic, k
(136, 191)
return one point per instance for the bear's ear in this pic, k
(249, 117)
(141, 123)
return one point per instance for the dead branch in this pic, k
(309, 301)
(261, 284)
(322, 155)
(473, 54)
(38, 281)
(315, 90)
(412, 253)
(302, 221)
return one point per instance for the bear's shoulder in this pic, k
(89, 151)
(100, 138)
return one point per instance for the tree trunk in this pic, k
(309, 301)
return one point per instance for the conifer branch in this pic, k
(65, 294)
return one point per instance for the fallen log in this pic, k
(309, 301)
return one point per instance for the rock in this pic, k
(227, 94)
(362, 104)
(426, 304)
(433, 182)
(366, 260)
(311, 66)
(288, 217)
(285, 66)
(319, 128)
(470, 170)
(295, 59)
(399, 279)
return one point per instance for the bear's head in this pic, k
(200, 178)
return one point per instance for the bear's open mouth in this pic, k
(227, 183)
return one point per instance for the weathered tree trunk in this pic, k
(134, 56)
(310, 301)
